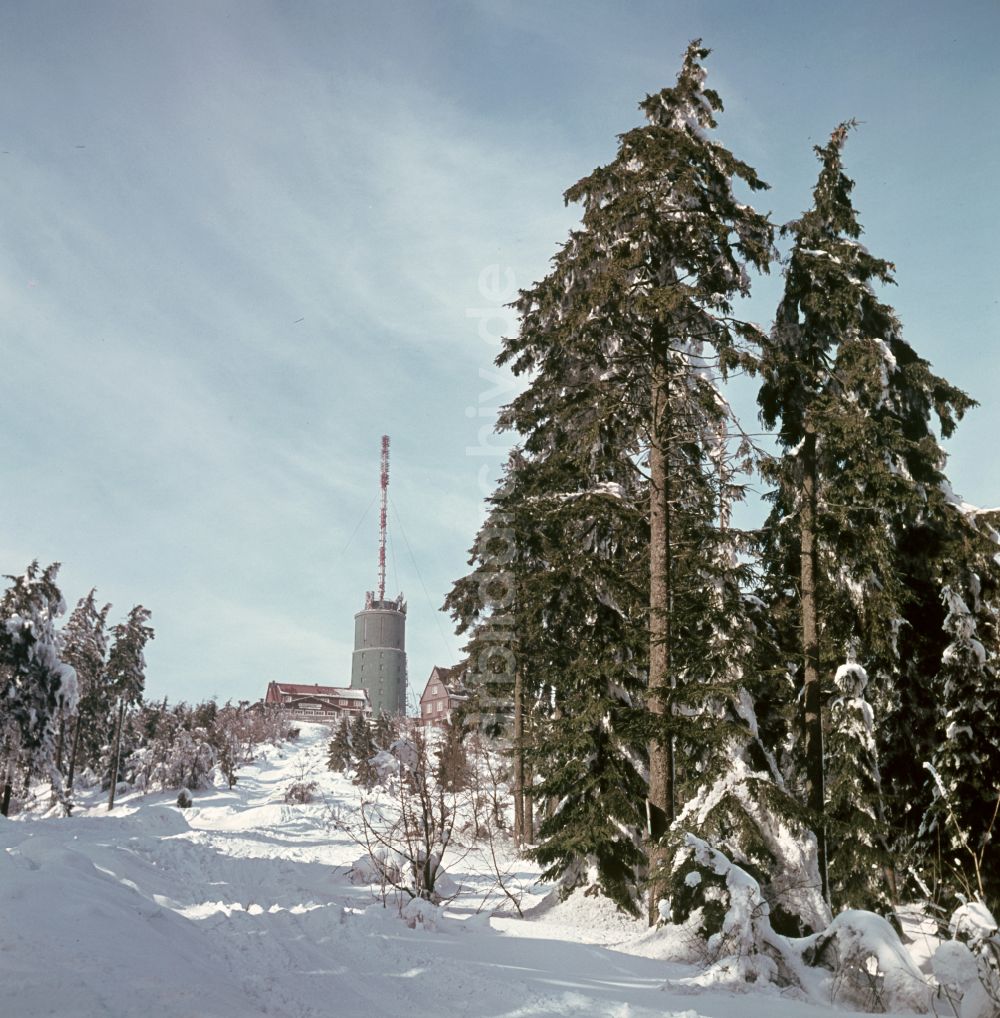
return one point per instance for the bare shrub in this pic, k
(405, 828)
(300, 792)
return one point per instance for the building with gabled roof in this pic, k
(445, 690)
(311, 702)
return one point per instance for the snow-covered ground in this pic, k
(241, 906)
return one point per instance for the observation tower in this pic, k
(379, 660)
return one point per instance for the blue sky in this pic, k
(240, 241)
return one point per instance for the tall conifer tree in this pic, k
(127, 675)
(86, 649)
(554, 608)
(860, 467)
(965, 810)
(628, 336)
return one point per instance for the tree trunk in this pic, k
(57, 782)
(74, 749)
(519, 838)
(660, 802)
(115, 754)
(529, 800)
(8, 788)
(60, 744)
(811, 696)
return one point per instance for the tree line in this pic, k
(73, 710)
(816, 698)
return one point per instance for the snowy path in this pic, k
(240, 907)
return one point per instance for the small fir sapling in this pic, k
(738, 801)
(363, 751)
(339, 748)
(452, 769)
(171, 749)
(385, 730)
(749, 817)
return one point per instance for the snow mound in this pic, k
(113, 946)
(868, 964)
(584, 913)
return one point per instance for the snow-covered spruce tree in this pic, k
(362, 751)
(338, 757)
(855, 813)
(150, 734)
(555, 609)
(489, 608)
(36, 685)
(859, 464)
(736, 798)
(948, 553)
(192, 753)
(628, 337)
(225, 736)
(452, 770)
(385, 730)
(235, 731)
(730, 788)
(192, 759)
(938, 549)
(585, 668)
(85, 648)
(127, 677)
(966, 806)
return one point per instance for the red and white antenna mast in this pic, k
(382, 518)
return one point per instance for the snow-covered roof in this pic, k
(305, 689)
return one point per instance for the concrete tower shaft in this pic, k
(379, 660)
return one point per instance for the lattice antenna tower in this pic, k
(382, 517)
